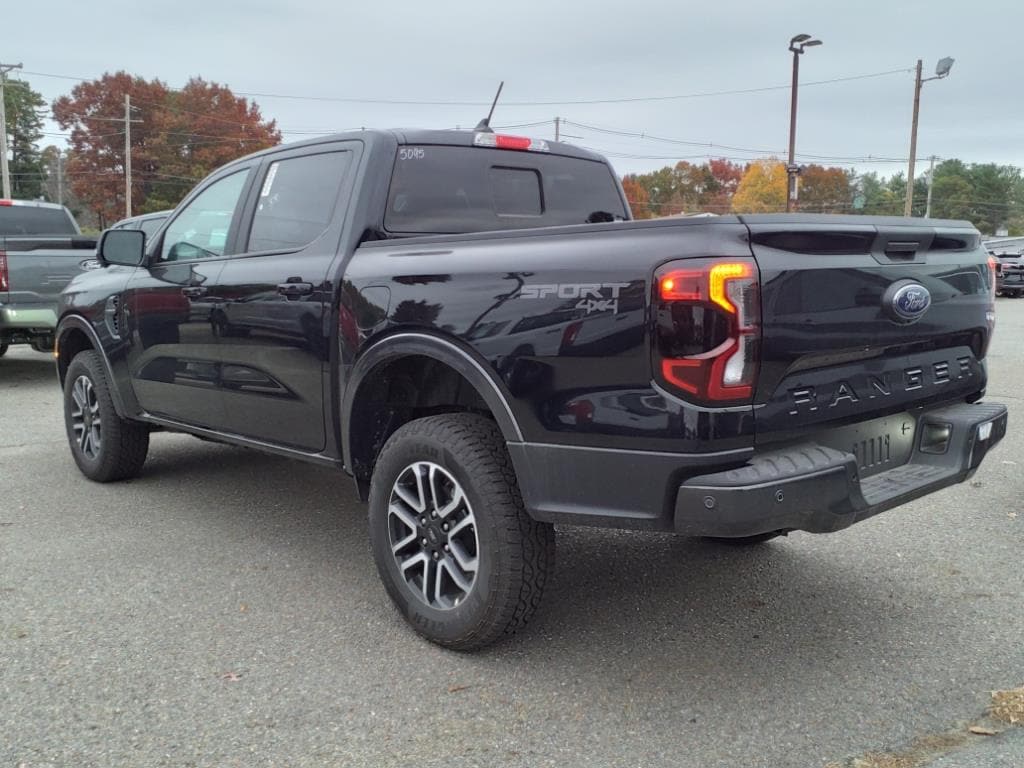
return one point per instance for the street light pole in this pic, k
(791, 168)
(941, 70)
(5, 172)
(796, 45)
(909, 201)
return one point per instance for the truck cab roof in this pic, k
(424, 136)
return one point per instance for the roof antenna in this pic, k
(484, 126)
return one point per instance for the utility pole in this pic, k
(557, 121)
(60, 177)
(941, 70)
(127, 155)
(4, 170)
(127, 120)
(931, 171)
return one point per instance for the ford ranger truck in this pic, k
(41, 249)
(472, 326)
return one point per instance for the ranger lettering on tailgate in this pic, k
(809, 399)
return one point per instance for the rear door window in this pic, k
(449, 190)
(297, 200)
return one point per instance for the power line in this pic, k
(538, 103)
(760, 151)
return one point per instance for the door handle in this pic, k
(295, 289)
(194, 292)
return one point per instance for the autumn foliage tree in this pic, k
(182, 136)
(762, 188)
(638, 198)
(825, 190)
(685, 188)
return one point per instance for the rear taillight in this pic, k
(5, 283)
(994, 267)
(708, 329)
(504, 141)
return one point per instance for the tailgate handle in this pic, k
(904, 250)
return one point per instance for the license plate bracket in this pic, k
(878, 444)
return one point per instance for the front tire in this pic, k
(458, 554)
(3, 349)
(104, 446)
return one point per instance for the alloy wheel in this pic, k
(433, 536)
(85, 417)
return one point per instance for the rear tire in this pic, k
(3, 349)
(458, 554)
(104, 446)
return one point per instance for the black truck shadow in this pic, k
(616, 597)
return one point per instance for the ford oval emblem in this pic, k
(908, 301)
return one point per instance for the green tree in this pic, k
(993, 194)
(952, 198)
(897, 186)
(24, 114)
(879, 199)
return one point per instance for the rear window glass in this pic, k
(448, 190)
(29, 220)
(516, 192)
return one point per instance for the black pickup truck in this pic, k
(471, 325)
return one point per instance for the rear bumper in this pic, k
(809, 487)
(14, 317)
(806, 487)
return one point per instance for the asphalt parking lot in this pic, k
(224, 610)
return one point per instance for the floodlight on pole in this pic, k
(941, 70)
(796, 44)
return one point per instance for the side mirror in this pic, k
(122, 246)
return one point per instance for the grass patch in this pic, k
(921, 752)
(1008, 706)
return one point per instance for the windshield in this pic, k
(450, 190)
(32, 220)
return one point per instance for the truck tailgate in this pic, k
(866, 319)
(38, 268)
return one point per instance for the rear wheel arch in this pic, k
(408, 376)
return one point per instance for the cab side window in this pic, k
(297, 201)
(201, 230)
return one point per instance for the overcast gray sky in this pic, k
(572, 50)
